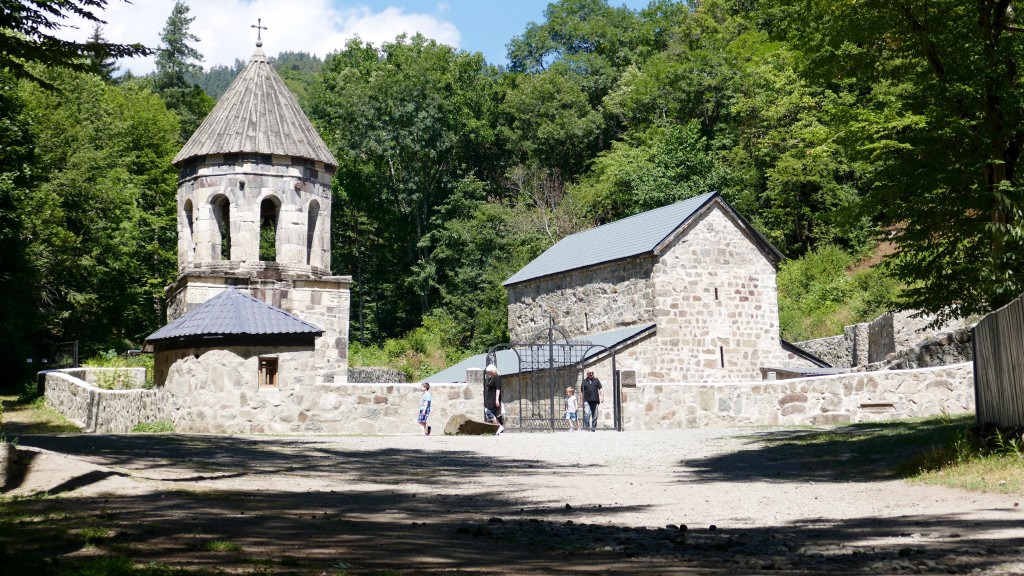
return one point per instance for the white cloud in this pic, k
(224, 27)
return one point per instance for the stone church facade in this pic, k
(697, 270)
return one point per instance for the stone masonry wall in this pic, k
(391, 408)
(949, 348)
(98, 410)
(583, 301)
(854, 347)
(836, 350)
(218, 391)
(715, 305)
(822, 400)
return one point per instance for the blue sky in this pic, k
(322, 26)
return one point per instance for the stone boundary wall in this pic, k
(372, 374)
(392, 408)
(97, 410)
(115, 378)
(860, 343)
(820, 400)
(836, 350)
(949, 348)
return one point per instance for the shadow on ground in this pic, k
(371, 532)
(866, 452)
(190, 458)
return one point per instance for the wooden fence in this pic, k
(999, 366)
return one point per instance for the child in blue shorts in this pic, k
(572, 404)
(424, 408)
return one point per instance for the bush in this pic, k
(114, 380)
(419, 354)
(819, 294)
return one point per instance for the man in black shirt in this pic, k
(593, 395)
(492, 397)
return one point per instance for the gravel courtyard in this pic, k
(667, 502)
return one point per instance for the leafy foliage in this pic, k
(28, 37)
(829, 127)
(100, 222)
(818, 295)
(932, 101)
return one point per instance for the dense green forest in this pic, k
(841, 131)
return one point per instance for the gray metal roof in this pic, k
(233, 312)
(507, 361)
(257, 114)
(638, 234)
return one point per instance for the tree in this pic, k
(176, 59)
(935, 104)
(100, 61)
(27, 37)
(411, 127)
(19, 317)
(546, 119)
(100, 226)
(177, 62)
(589, 38)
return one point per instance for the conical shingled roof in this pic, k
(259, 115)
(233, 313)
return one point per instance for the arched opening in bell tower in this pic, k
(313, 234)
(222, 230)
(190, 244)
(269, 211)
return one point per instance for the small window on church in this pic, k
(721, 356)
(268, 371)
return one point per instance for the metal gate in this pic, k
(533, 396)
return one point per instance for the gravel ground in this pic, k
(675, 501)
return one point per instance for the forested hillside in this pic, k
(829, 126)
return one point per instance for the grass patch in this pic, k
(156, 427)
(33, 416)
(946, 450)
(221, 546)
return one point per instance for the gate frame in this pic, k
(587, 357)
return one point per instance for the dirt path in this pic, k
(631, 502)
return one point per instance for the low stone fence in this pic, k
(392, 408)
(943, 350)
(321, 409)
(375, 375)
(98, 410)
(870, 345)
(110, 378)
(820, 400)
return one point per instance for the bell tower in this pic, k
(254, 210)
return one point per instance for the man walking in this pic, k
(593, 395)
(492, 397)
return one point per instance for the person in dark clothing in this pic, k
(593, 395)
(492, 397)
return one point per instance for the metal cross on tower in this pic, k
(259, 39)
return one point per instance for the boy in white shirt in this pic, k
(572, 404)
